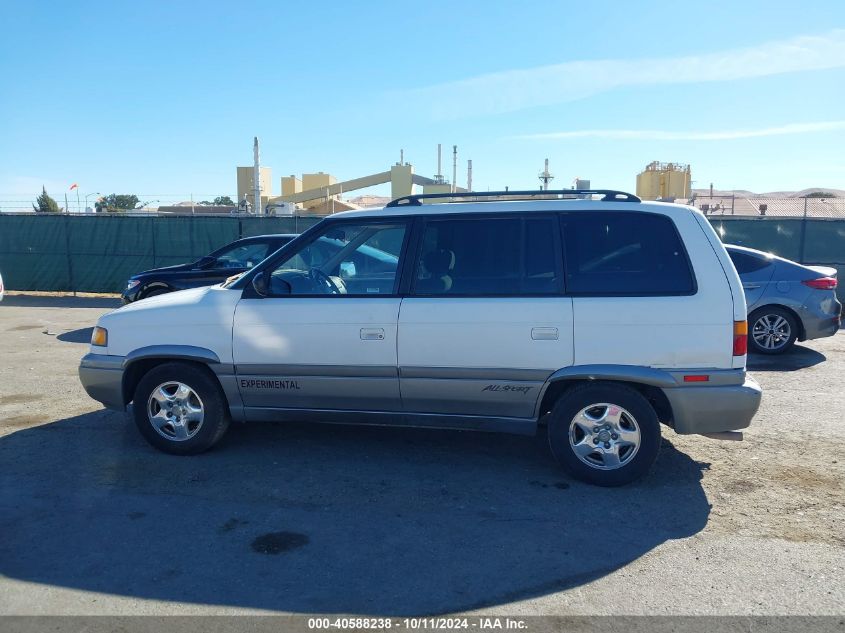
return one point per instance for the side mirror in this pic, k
(265, 285)
(261, 283)
(206, 262)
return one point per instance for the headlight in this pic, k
(132, 283)
(100, 337)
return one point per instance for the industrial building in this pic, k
(664, 181)
(320, 192)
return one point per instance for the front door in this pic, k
(325, 337)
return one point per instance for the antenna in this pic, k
(545, 177)
(401, 156)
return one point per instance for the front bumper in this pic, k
(128, 296)
(714, 409)
(102, 377)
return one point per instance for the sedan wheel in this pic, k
(773, 331)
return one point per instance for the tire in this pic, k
(160, 392)
(587, 454)
(155, 292)
(771, 330)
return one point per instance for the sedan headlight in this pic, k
(100, 337)
(132, 284)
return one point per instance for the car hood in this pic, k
(165, 269)
(199, 317)
(181, 298)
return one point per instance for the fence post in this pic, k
(71, 282)
(803, 233)
(153, 237)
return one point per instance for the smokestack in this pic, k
(454, 168)
(469, 175)
(256, 178)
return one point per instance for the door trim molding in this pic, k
(515, 426)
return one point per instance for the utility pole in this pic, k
(469, 175)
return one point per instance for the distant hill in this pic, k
(742, 193)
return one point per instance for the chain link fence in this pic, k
(805, 207)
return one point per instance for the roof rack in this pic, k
(609, 195)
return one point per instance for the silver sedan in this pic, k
(787, 301)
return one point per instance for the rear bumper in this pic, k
(102, 377)
(714, 409)
(821, 320)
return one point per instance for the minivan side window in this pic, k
(621, 254)
(489, 256)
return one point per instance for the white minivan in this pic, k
(593, 312)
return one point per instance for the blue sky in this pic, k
(162, 99)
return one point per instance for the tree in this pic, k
(45, 204)
(820, 194)
(224, 201)
(117, 202)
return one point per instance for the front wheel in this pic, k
(773, 330)
(605, 434)
(180, 409)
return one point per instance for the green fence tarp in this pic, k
(98, 253)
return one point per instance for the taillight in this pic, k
(822, 283)
(740, 338)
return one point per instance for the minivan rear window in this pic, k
(623, 254)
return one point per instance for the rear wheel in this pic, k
(180, 409)
(773, 330)
(604, 433)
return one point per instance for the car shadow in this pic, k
(82, 335)
(799, 357)
(327, 519)
(52, 301)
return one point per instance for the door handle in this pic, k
(372, 334)
(544, 334)
(750, 286)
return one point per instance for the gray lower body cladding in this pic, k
(478, 399)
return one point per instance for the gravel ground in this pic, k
(322, 519)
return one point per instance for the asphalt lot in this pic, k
(325, 519)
